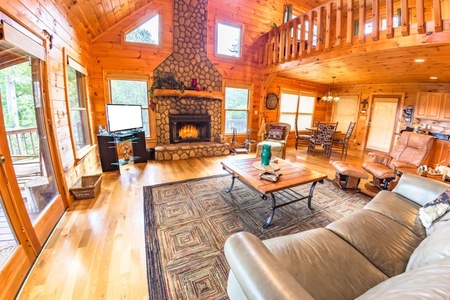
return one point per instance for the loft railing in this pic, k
(23, 143)
(338, 24)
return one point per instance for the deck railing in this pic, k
(337, 24)
(23, 143)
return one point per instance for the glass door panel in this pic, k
(8, 240)
(26, 136)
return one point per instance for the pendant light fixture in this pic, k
(330, 96)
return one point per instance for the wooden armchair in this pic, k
(343, 142)
(275, 135)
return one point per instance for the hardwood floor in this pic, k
(97, 249)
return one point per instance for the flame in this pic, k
(188, 132)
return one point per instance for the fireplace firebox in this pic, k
(189, 128)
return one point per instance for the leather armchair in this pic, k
(411, 151)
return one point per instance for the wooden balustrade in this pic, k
(23, 143)
(338, 24)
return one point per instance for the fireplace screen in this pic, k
(189, 128)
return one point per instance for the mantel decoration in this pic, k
(330, 96)
(164, 80)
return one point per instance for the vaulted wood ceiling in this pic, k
(361, 67)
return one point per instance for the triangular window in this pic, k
(146, 33)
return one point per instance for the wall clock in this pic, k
(271, 101)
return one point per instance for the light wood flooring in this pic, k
(97, 249)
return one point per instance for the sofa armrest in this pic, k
(380, 158)
(419, 189)
(259, 274)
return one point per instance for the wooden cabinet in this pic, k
(445, 108)
(440, 153)
(428, 105)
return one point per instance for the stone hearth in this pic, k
(179, 105)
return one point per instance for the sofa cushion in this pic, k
(399, 209)
(431, 249)
(435, 209)
(429, 282)
(378, 170)
(384, 242)
(422, 193)
(317, 259)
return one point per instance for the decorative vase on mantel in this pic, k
(266, 155)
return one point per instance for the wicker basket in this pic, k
(87, 187)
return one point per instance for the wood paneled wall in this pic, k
(366, 91)
(37, 16)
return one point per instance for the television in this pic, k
(122, 117)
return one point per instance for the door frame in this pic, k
(398, 114)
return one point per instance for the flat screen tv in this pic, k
(122, 117)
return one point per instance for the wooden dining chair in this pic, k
(323, 136)
(303, 139)
(343, 142)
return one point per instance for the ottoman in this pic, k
(348, 175)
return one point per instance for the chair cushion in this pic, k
(378, 170)
(276, 132)
(348, 169)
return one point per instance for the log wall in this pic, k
(38, 16)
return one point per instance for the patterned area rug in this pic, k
(188, 222)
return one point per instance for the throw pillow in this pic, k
(434, 209)
(276, 132)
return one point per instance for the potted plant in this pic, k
(166, 80)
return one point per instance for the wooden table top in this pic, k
(293, 174)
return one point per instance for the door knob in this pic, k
(2, 159)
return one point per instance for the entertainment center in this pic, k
(125, 141)
(114, 149)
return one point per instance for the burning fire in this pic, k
(188, 132)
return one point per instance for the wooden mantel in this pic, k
(188, 94)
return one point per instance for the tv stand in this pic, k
(112, 148)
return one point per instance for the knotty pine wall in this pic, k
(110, 54)
(368, 90)
(35, 16)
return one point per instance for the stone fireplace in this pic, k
(189, 128)
(200, 110)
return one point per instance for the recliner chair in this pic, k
(411, 151)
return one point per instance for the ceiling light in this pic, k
(433, 77)
(419, 60)
(330, 96)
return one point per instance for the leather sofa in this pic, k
(380, 252)
(410, 151)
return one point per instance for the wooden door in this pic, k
(18, 243)
(382, 123)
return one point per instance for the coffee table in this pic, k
(293, 175)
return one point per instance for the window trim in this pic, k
(249, 87)
(133, 77)
(69, 61)
(216, 42)
(138, 23)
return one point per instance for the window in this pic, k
(132, 92)
(298, 106)
(76, 91)
(237, 103)
(147, 33)
(228, 40)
